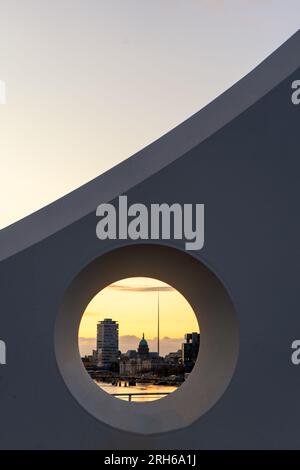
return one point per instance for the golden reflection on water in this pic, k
(138, 388)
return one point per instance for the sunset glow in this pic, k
(133, 303)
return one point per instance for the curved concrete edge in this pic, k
(215, 313)
(82, 201)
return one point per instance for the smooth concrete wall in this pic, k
(156, 156)
(247, 175)
(218, 349)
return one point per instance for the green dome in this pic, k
(143, 348)
(143, 342)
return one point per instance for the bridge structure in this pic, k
(141, 395)
(239, 156)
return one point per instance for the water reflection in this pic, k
(146, 389)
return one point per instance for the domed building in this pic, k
(135, 362)
(143, 349)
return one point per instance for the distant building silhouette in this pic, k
(174, 358)
(107, 342)
(190, 349)
(143, 349)
(141, 360)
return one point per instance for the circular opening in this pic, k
(219, 338)
(139, 339)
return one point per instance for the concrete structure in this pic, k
(107, 343)
(239, 156)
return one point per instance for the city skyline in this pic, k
(133, 304)
(149, 371)
(139, 364)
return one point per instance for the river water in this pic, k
(138, 388)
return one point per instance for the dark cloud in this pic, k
(124, 288)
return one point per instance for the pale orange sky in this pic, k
(91, 83)
(133, 303)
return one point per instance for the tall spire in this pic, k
(158, 321)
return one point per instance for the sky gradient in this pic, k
(133, 303)
(90, 83)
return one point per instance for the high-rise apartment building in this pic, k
(107, 342)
